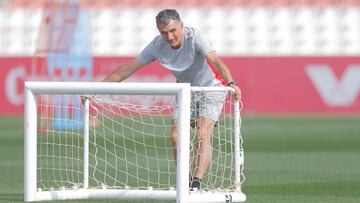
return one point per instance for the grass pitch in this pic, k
(288, 159)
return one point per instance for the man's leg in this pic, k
(210, 108)
(203, 152)
(204, 148)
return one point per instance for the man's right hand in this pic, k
(84, 98)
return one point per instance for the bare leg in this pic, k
(204, 149)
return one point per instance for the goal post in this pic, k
(123, 150)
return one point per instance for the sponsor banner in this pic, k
(299, 84)
(269, 84)
(13, 72)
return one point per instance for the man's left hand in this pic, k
(237, 93)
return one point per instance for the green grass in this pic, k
(288, 159)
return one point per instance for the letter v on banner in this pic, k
(335, 92)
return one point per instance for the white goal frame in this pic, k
(181, 193)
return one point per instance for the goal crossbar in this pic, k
(105, 88)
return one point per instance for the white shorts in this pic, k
(205, 104)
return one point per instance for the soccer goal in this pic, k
(113, 141)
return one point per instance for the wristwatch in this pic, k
(232, 83)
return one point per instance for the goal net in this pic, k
(125, 148)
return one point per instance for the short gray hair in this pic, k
(165, 16)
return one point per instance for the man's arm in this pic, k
(223, 70)
(124, 71)
(121, 73)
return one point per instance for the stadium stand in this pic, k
(258, 27)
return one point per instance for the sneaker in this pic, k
(195, 184)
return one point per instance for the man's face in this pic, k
(173, 33)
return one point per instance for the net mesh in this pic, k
(132, 146)
(59, 150)
(129, 143)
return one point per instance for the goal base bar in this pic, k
(199, 196)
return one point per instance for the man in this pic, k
(184, 52)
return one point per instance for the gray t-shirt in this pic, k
(188, 63)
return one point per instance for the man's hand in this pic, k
(237, 93)
(84, 98)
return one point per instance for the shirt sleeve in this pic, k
(202, 44)
(147, 56)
